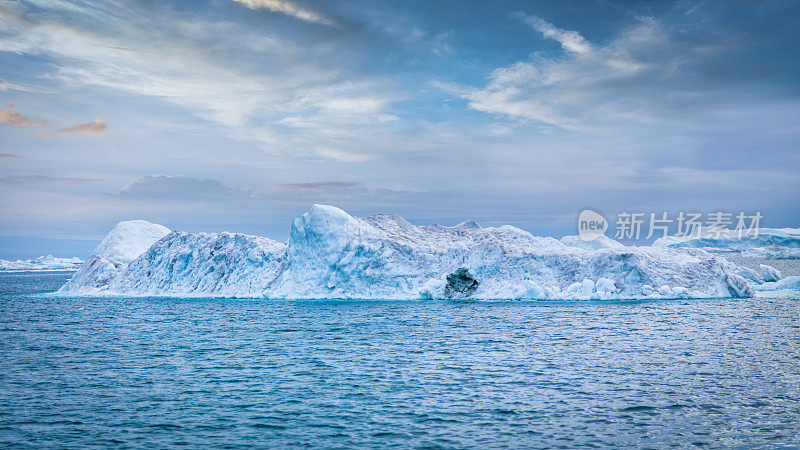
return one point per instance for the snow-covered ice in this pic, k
(124, 243)
(223, 264)
(331, 254)
(129, 239)
(769, 273)
(788, 287)
(42, 263)
(595, 244)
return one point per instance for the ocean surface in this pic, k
(435, 374)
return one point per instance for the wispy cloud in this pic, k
(315, 187)
(8, 155)
(123, 49)
(43, 179)
(302, 87)
(631, 78)
(96, 126)
(15, 119)
(288, 8)
(343, 155)
(6, 85)
(570, 40)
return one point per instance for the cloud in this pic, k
(343, 155)
(161, 188)
(6, 85)
(8, 155)
(43, 179)
(11, 118)
(14, 119)
(288, 8)
(124, 49)
(179, 187)
(210, 69)
(315, 187)
(337, 192)
(649, 73)
(97, 126)
(570, 40)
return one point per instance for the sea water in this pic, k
(151, 372)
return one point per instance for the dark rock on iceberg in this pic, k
(460, 283)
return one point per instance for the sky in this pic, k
(238, 115)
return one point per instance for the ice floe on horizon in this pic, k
(42, 263)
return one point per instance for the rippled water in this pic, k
(162, 372)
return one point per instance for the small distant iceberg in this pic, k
(788, 283)
(42, 263)
(331, 254)
(770, 243)
(598, 243)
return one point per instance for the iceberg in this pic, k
(788, 283)
(219, 264)
(770, 243)
(331, 254)
(769, 273)
(42, 263)
(595, 244)
(124, 243)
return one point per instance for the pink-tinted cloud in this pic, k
(14, 119)
(96, 126)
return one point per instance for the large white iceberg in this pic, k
(42, 263)
(124, 243)
(223, 264)
(331, 254)
(770, 243)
